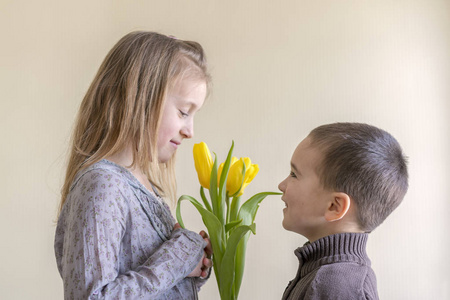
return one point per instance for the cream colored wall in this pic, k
(280, 69)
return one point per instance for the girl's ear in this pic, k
(337, 207)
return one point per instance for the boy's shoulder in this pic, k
(334, 267)
(338, 280)
(345, 280)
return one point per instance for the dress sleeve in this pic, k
(88, 246)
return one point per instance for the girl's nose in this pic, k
(188, 130)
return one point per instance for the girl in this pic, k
(115, 236)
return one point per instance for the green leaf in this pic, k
(205, 201)
(231, 225)
(247, 213)
(213, 191)
(240, 263)
(222, 196)
(215, 229)
(225, 170)
(248, 210)
(226, 273)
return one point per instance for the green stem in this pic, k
(216, 271)
(227, 218)
(234, 208)
(228, 209)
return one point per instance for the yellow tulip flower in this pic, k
(219, 171)
(203, 164)
(250, 173)
(234, 179)
(228, 225)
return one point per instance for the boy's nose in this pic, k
(281, 186)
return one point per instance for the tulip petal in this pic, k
(250, 174)
(236, 177)
(203, 163)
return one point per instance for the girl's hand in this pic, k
(208, 248)
(203, 266)
(206, 260)
(198, 271)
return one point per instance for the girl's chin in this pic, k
(165, 158)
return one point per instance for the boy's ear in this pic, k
(337, 207)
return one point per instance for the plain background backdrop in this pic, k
(280, 68)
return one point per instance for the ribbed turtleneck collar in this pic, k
(349, 247)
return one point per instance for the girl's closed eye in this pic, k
(183, 114)
(292, 174)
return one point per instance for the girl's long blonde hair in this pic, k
(124, 104)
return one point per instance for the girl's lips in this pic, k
(175, 144)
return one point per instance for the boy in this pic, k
(345, 179)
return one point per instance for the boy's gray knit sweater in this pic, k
(334, 267)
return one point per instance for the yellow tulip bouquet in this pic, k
(228, 223)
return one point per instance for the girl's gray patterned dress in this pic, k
(115, 240)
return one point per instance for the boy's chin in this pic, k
(289, 228)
